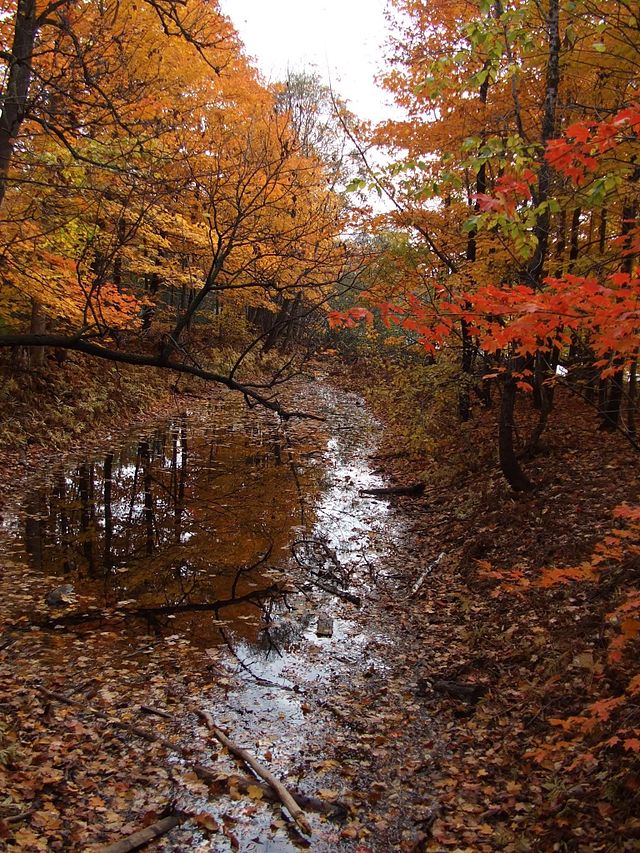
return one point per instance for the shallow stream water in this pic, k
(224, 504)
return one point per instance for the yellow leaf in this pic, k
(327, 794)
(255, 792)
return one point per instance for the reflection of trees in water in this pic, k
(108, 514)
(178, 517)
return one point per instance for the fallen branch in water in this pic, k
(264, 682)
(334, 809)
(284, 795)
(414, 490)
(339, 593)
(75, 618)
(144, 836)
(293, 800)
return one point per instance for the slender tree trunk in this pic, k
(509, 464)
(87, 526)
(108, 513)
(613, 407)
(535, 268)
(282, 322)
(632, 399)
(38, 326)
(16, 93)
(613, 403)
(575, 238)
(602, 230)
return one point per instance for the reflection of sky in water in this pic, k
(346, 520)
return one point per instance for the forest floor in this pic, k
(446, 734)
(543, 754)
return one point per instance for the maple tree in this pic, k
(150, 182)
(509, 147)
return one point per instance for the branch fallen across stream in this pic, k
(272, 789)
(76, 618)
(284, 795)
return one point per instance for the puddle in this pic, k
(219, 505)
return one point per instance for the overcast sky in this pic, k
(341, 39)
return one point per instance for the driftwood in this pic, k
(274, 790)
(333, 809)
(284, 795)
(144, 836)
(415, 490)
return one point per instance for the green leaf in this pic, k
(355, 185)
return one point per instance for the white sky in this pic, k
(341, 39)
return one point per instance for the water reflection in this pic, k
(185, 515)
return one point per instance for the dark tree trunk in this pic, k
(16, 92)
(509, 464)
(535, 268)
(575, 238)
(613, 407)
(87, 522)
(38, 326)
(613, 403)
(108, 513)
(282, 323)
(632, 399)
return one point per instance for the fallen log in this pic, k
(334, 809)
(293, 800)
(144, 836)
(284, 795)
(415, 490)
(459, 690)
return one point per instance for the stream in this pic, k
(226, 506)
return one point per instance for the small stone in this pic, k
(60, 596)
(325, 626)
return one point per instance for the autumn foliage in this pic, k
(151, 183)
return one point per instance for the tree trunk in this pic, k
(613, 406)
(536, 267)
(14, 97)
(38, 326)
(632, 399)
(613, 403)
(509, 464)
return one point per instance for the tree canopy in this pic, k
(148, 177)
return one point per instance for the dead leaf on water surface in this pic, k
(207, 821)
(255, 792)
(328, 794)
